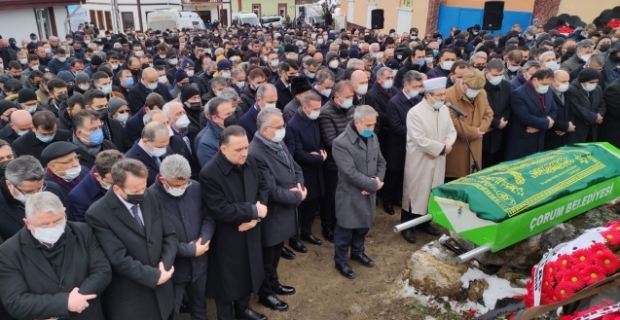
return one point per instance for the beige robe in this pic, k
(427, 130)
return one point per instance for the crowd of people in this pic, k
(149, 170)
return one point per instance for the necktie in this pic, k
(412, 100)
(157, 161)
(134, 212)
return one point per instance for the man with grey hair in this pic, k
(355, 64)
(286, 192)
(63, 250)
(478, 61)
(152, 148)
(498, 95)
(361, 169)
(23, 177)
(596, 62)
(583, 51)
(526, 73)
(381, 92)
(181, 201)
(220, 115)
(266, 97)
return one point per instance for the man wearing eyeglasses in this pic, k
(63, 165)
(23, 177)
(44, 132)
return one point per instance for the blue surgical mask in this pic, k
(366, 133)
(129, 82)
(45, 139)
(96, 137)
(435, 53)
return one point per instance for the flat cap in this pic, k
(56, 150)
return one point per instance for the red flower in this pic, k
(583, 256)
(571, 279)
(550, 268)
(598, 247)
(563, 292)
(566, 29)
(612, 236)
(613, 23)
(592, 274)
(608, 260)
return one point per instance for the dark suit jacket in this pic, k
(586, 106)
(134, 254)
(303, 136)
(8, 134)
(284, 95)
(380, 103)
(134, 126)
(138, 93)
(610, 129)
(528, 112)
(88, 160)
(248, 98)
(32, 289)
(248, 122)
(281, 222)
(565, 114)
(499, 100)
(136, 152)
(83, 196)
(28, 144)
(518, 81)
(396, 112)
(119, 138)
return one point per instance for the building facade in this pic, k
(44, 18)
(264, 8)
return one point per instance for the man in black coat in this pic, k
(286, 192)
(381, 92)
(148, 84)
(45, 133)
(235, 258)
(63, 167)
(180, 199)
(299, 86)
(135, 124)
(112, 129)
(562, 131)
(23, 177)
(396, 112)
(498, 94)
(256, 77)
(303, 140)
(151, 149)
(610, 128)
(140, 243)
(53, 275)
(21, 122)
(266, 97)
(88, 135)
(285, 94)
(586, 100)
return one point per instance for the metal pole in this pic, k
(474, 253)
(412, 223)
(67, 21)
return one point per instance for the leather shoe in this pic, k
(287, 254)
(388, 209)
(296, 245)
(429, 229)
(363, 259)
(409, 236)
(284, 290)
(311, 239)
(272, 302)
(345, 270)
(328, 235)
(249, 314)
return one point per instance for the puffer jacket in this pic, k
(332, 122)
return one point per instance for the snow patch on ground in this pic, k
(431, 301)
(498, 288)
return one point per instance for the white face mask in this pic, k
(226, 75)
(21, 133)
(115, 66)
(334, 64)
(280, 133)
(182, 122)
(84, 87)
(162, 79)
(326, 92)
(158, 152)
(471, 93)
(362, 89)
(585, 57)
(72, 173)
(122, 117)
(190, 73)
(542, 89)
(447, 65)
(269, 106)
(590, 87)
(562, 87)
(513, 68)
(23, 61)
(495, 80)
(174, 62)
(552, 65)
(240, 84)
(314, 115)
(175, 192)
(387, 84)
(50, 235)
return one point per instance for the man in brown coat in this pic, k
(469, 96)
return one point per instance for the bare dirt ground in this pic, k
(323, 294)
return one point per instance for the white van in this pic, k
(162, 20)
(241, 18)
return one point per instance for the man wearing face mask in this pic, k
(334, 117)
(395, 149)
(534, 112)
(359, 79)
(148, 84)
(102, 82)
(24, 176)
(266, 97)
(332, 60)
(20, 124)
(88, 135)
(140, 243)
(112, 129)
(299, 86)
(324, 84)
(526, 73)
(188, 65)
(181, 200)
(561, 133)
(468, 96)
(61, 248)
(63, 166)
(381, 92)
(220, 115)
(586, 99)
(446, 57)
(256, 77)
(57, 90)
(94, 185)
(498, 95)
(45, 132)
(286, 192)
(152, 148)
(28, 100)
(287, 71)
(583, 51)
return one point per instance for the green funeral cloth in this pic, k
(513, 187)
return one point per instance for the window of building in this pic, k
(99, 24)
(93, 16)
(256, 9)
(127, 18)
(108, 20)
(282, 10)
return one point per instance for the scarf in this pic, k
(68, 185)
(276, 147)
(93, 151)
